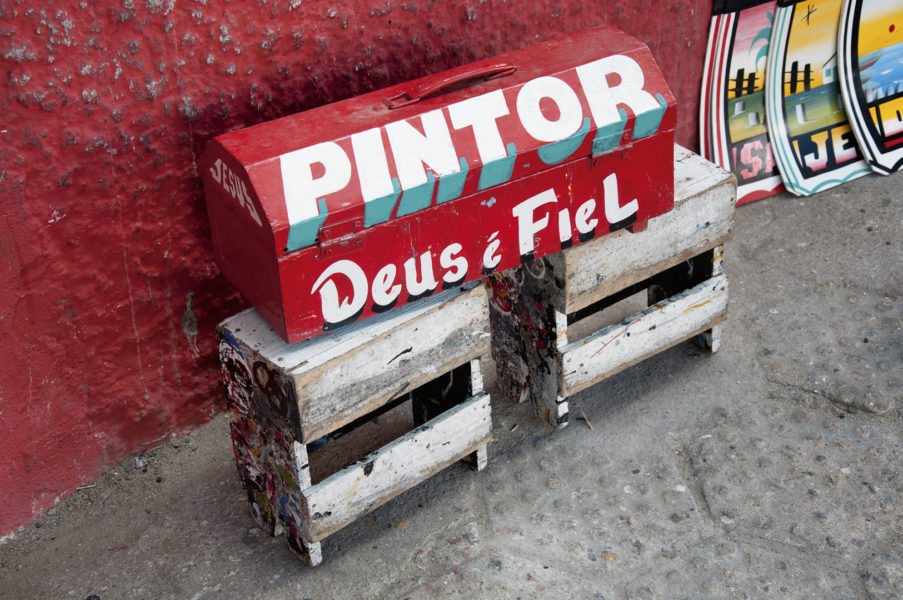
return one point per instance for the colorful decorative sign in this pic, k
(733, 124)
(870, 59)
(352, 209)
(812, 140)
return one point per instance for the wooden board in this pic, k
(352, 492)
(531, 305)
(733, 132)
(340, 378)
(614, 348)
(870, 59)
(706, 149)
(812, 141)
(271, 441)
(702, 218)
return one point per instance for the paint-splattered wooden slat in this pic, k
(343, 376)
(703, 214)
(532, 304)
(643, 334)
(398, 466)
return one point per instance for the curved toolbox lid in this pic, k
(339, 168)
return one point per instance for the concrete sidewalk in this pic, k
(771, 469)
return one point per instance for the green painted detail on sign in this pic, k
(609, 137)
(556, 152)
(304, 233)
(498, 171)
(417, 198)
(379, 210)
(647, 123)
(451, 186)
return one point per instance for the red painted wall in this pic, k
(103, 231)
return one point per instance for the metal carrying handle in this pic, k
(453, 77)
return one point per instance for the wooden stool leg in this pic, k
(554, 407)
(561, 416)
(302, 466)
(302, 472)
(710, 340)
(561, 339)
(314, 553)
(481, 458)
(476, 376)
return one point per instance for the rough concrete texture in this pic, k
(106, 106)
(770, 469)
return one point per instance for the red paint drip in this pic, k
(892, 27)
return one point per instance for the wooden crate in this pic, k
(675, 263)
(328, 429)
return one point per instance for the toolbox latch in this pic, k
(332, 241)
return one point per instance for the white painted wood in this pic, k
(314, 553)
(398, 466)
(341, 377)
(253, 331)
(302, 465)
(710, 340)
(482, 457)
(611, 349)
(694, 175)
(530, 363)
(717, 260)
(561, 409)
(476, 376)
(561, 328)
(702, 218)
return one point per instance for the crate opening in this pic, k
(591, 321)
(617, 307)
(349, 444)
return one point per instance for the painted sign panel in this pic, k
(812, 140)
(870, 58)
(706, 95)
(733, 125)
(363, 206)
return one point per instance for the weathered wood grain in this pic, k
(710, 340)
(530, 305)
(614, 348)
(398, 466)
(287, 396)
(343, 376)
(476, 376)
(702, 218)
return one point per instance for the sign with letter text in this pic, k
(348, 210)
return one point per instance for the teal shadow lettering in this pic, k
(451, 186)
(418, 197)
(647, 123)
(304, 233)
(379, 209)
(499, 170)
(608, 137)
(554, 153)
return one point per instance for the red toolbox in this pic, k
(331, 215)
